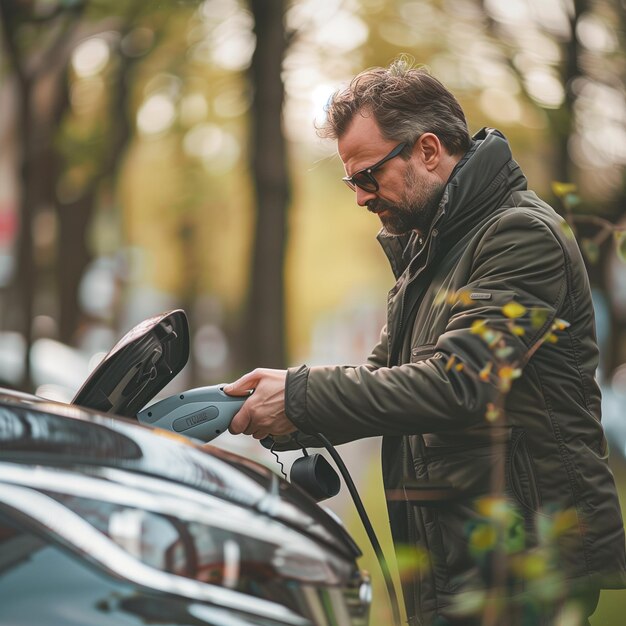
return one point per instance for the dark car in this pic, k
(106, 521)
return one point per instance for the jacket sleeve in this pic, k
(519, 259)
(295, 397)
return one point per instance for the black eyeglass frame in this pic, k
(370, 183)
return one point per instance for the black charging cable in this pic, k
(393, 598)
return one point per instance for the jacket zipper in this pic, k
(433, 235)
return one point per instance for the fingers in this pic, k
(264, 412)
(240, 423)
(242, 386)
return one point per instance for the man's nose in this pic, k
(363, 197)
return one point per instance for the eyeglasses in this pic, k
(364, 178)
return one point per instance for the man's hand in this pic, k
(263, 413)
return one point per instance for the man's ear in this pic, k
(430, 150)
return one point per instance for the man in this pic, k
(484, 374)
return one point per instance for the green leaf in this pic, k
(570, 200)
(411, 559)
(591, 250)
(514, 538)
(483, 538)
(567, 230)
(535, 566)
(491, 337)
(538, 317)
(504, 353)
(620, 244)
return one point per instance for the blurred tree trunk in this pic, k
(264, 322)
(40, 103)
(75, 217)
(560, 120)
(40, 70)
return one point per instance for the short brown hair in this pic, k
(405, 101)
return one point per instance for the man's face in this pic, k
(408, 194)
(417, 205)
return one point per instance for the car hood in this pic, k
(40, 432)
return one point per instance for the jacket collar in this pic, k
(478, 185)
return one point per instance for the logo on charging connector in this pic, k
(189, 421)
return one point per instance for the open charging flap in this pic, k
(144, 361)
(138, 367)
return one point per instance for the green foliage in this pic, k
(591, 250)
(567, 194)
(619, 236)
(497, 536)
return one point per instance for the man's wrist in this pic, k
(295, 396)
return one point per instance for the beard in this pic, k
(415, 210)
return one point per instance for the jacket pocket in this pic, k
(468, 468)
(522, 483)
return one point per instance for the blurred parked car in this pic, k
(105, 521)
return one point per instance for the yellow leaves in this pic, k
(532, 566)
(483, 538)
(556, 524)
(506, 375)
(619, 237)
(478, 327)
(485, 372)
(498, 530)
(496, 509)
(557, 325)
(464, 298)
(493, 412)
(564, 521)
(566, 193)
(560, 324)
(452, 362)
(411, 559)
(498, 527)
(507, 354)
(538, 317)
(513, 310)
(518, 331)
(453, 297)
(562, 189)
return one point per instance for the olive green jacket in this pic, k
(433, 386)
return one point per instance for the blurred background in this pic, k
(158, 155)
